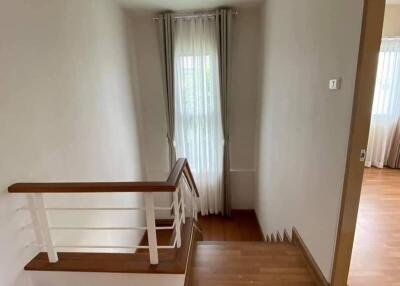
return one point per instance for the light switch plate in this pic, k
(335, 83)
(363, 155)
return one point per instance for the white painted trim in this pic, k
(51, 278)
(242, 170)
(231, 170)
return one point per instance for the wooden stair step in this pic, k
(236, 263)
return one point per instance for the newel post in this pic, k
(177, 218)
(151, 227)
(44, 227)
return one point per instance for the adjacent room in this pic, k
(375, 257)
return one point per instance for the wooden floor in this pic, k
(249, 263)
(233, 253)
(241, 226)
(376, 252)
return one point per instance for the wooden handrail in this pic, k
(189, 176)
(181, 167)
(176, 172)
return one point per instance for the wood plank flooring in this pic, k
(376, 251)
(233, 253)
(241, 226)
(249, 263)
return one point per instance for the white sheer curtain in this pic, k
(198, 127)
(386, 106)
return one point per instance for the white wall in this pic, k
(147, 78)
(245, 59)
(243, 105)
(55, 278)
(391, 23)
(304, 127)
(66, 113)
(146, 58)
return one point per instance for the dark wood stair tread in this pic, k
(237, 263)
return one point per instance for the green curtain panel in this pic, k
(394, 155)
(165, 28)
(224, 30)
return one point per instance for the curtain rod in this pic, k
(234, 13)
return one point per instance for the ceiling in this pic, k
(195, 4)
(186, 4)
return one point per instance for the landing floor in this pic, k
(241, 226)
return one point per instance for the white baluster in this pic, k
(44, 226)
(151, 227)
(182, 193)
(192, 198)
(177, 219)
(34, 218)
(194, 205)
(193, 202)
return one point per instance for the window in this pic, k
(198, 128)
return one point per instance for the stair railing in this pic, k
(179, 180)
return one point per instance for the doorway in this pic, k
(377, 239)
(372, 189)
(370, 40)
